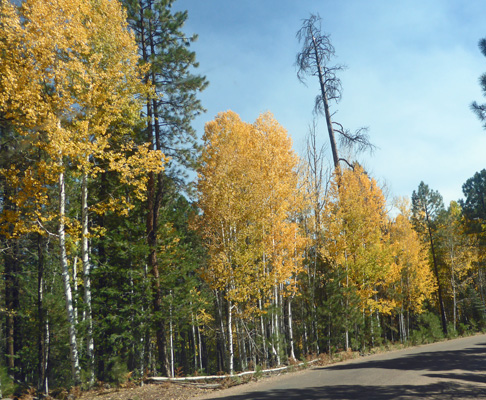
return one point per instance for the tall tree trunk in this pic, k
(436, 271)
(41, 333)
(220, 333)
(327, 113)
(75, 368)
(171, 335)
(200, 347)
(454, 295)
(12, 305)
(231, 354)
(87, 279)
(194, 339)
(154, 203)
(262, 328)
(291, 331)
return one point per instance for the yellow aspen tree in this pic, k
(414, 281)
(70, 81)
(247, 193)
(456, 247)
(355, 237)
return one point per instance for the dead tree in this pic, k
(314, 59)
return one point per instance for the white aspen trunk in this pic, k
(200, 347)
(171, 340)
(291, 331)
(346, 339)
(262, 327)
(194, 340)
(75, 369)
(46, 358)
(403, 328)
(400, 326)
(75, 282)
(454, 296)
(87, 279)
(244, 362)
(230, 338)
(372, 330)
(273, 334)
(408, 324)
(222, 340)
(306, 339)
(277, 327)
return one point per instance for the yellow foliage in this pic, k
(356, 239)
(70, 81)
(248, 196)
(413, 278)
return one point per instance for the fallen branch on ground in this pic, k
(158, 379)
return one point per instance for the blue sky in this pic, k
(412, 72)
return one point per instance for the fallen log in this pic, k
(160, 379)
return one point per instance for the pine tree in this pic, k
(427, 205)
(164, 46)
(77, 79)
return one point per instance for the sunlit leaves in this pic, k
(354, 221)
(70, 80)
(248, 197)
(414, 281)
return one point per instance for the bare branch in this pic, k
(347, 162)
(357, 141)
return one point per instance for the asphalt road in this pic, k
(454, 369)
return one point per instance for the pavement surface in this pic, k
(454, 369)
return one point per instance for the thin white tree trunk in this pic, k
(230, 338)
(454, 295)
(291, 331)
(171, 334)
(75, 284)
(194, 339)
(347, 309)
(75, 369)
(277, 327)
(306, 339)
(262, 327)
(46, 359)
(87, 279)
(200, 346)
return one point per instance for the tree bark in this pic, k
(327, 113)
(75, 368)
(87, 279)
(42, 331)
(291, 331)
(436, 271)
(12, 306)
(230, 339)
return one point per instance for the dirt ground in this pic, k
(178, 391)
(165, 391)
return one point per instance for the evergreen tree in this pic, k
(427, 205)
(163, 44)
(480, 109)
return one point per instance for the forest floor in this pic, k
(164, 391)
(184, 391)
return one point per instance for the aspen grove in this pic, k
(115, 266)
